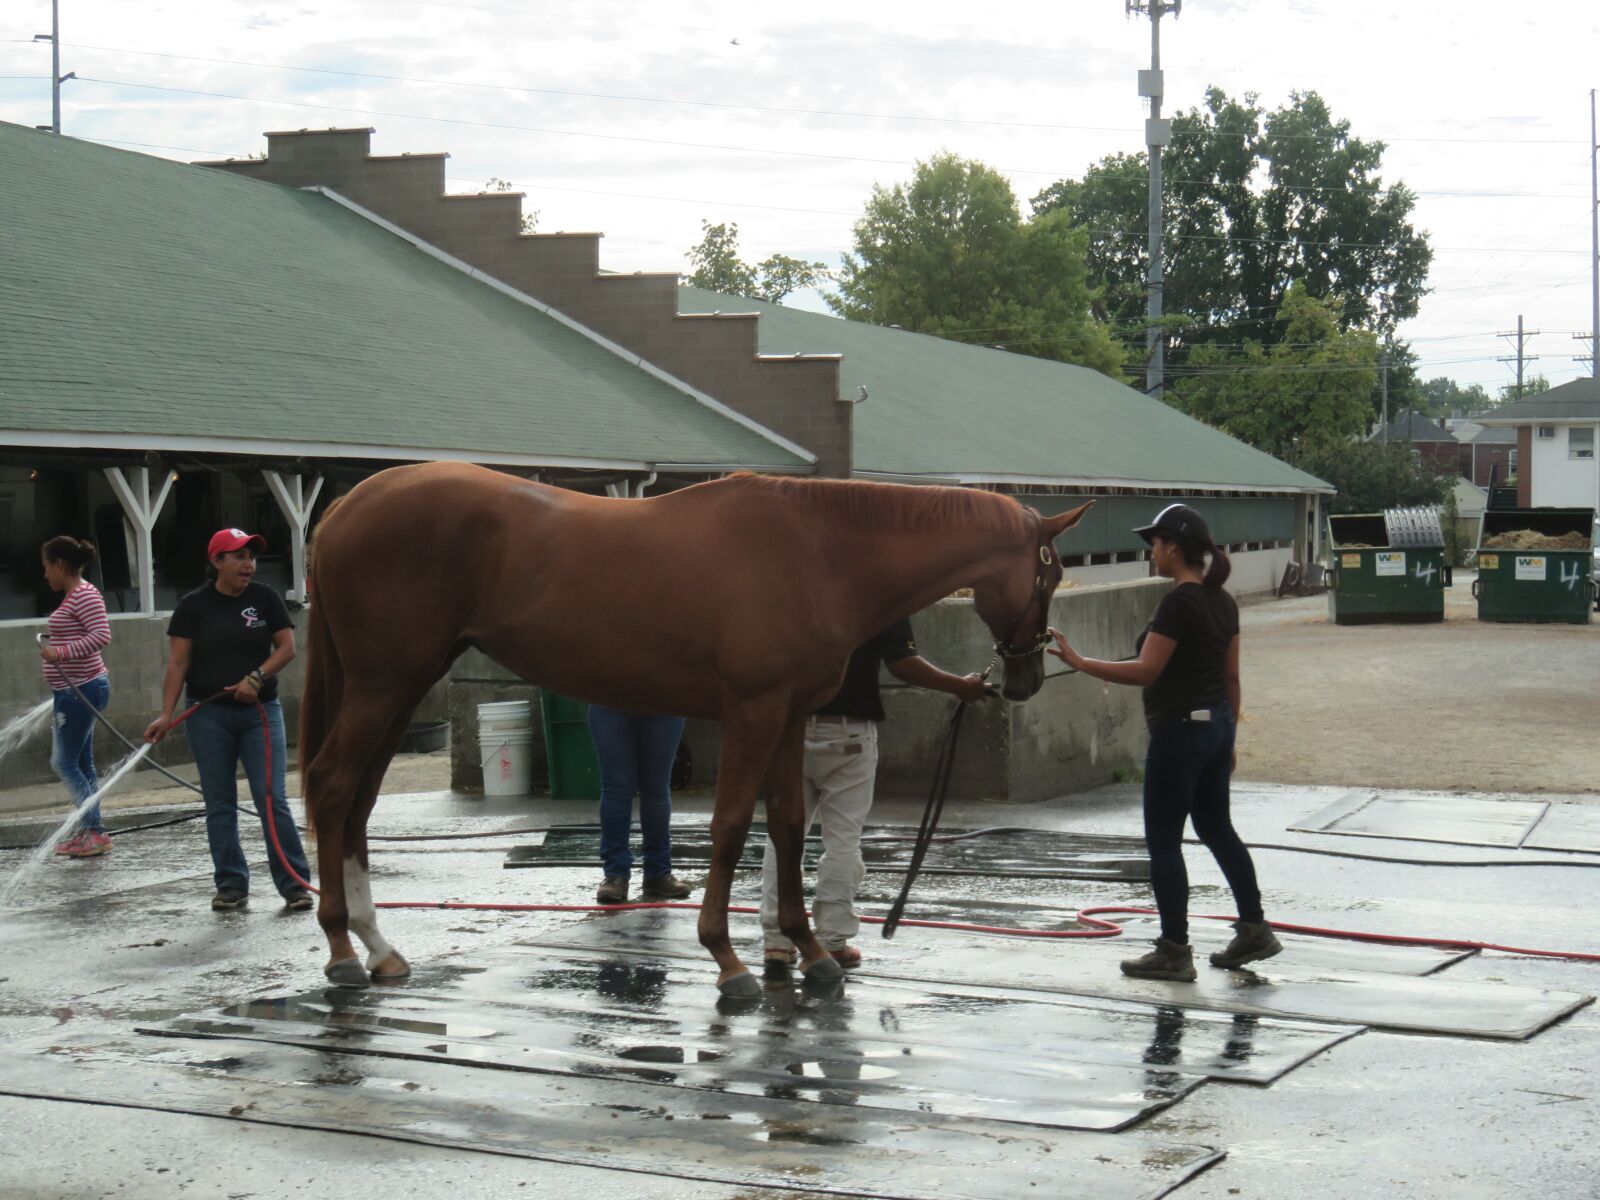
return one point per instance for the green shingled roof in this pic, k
(938, 408)
(149, 298)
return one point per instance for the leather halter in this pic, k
(1042, 588)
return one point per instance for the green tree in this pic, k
(718, 268)
(949, 254)
(1372, 476)
(1444, 397)
(1254, 202)
(1535, 386)
(1312, 388)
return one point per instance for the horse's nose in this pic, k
(1023, 680)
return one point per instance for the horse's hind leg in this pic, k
(786, 818)
(385, 963)
(750, 734)
(333, 784)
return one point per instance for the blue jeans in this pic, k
(1186, 773)
(221, 736)
(72, 754)
(636, 756)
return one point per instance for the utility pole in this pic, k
(1520, 358)
(1157, 134)
(56, 77)
(1383, 374)
(1594, 243)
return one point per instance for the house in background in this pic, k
(1557, 435)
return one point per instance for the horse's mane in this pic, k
(889, 506)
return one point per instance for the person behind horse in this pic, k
(840, 766)
(1188, 665)
(232, 634)
(79, 630)
(636, 754)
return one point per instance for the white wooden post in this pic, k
(141, 507)
(296, 504)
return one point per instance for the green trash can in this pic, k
(1387, 567)
(574, 766)
(1536, 564)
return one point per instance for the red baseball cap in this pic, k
(224, 540)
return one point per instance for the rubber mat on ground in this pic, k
(1457, 820)
(1034, 854)
(1279, 987)
(877, 1044)
(745, 1141)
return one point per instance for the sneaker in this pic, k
(1252, 940)
(613, 890)
(228, 899)
(70, 847)
(847, 957)
(665, 887)
(90, 845)
(298, 900)
(1168, 960)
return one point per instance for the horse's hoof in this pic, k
(399, 976)
(825, 970)
(743, 986)
(347, 972)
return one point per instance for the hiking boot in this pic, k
(613, 890)
(298, 900)
(229, 899)
(1252, 940)
(70, 847)
(847, 957)
(1168, 960)
(665, 887)
(90, 845)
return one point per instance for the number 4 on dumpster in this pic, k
(1571, 580)
(1424, 573)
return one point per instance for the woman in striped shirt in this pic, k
(79, 630)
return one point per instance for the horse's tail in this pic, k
(324, 680)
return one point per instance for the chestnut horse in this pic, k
(738, 600)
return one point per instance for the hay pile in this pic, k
(1528, 539)
(1353, 546)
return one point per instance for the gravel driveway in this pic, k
(1463, 705)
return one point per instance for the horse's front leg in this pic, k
(786, 826)
(750, 733)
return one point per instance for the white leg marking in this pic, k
(363, 914)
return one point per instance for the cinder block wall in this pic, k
(136, 661)
(1072, 736)
(797, 396)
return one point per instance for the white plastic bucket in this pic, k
(507, 759)
(506, 714)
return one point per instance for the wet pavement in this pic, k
(180, 1051)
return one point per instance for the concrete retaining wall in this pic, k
(1073, 735)
(137, 662)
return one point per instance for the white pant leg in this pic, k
(841, 763)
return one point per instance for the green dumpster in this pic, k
(1387, 567)
(574, 767)
(1535, 564)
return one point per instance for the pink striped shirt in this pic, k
(79, 630)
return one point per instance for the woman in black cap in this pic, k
(1188, 666)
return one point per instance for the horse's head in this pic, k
(1015, 603)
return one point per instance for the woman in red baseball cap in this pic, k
(1188, 666)
(233, 634)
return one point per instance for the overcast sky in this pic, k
(641, 119)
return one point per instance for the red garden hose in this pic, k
(1089, 916)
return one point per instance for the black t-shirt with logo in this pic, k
(1203, 623)
(858, 695)
(232, 636)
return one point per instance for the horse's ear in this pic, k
(1056, 526)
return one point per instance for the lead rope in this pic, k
(932, 811)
